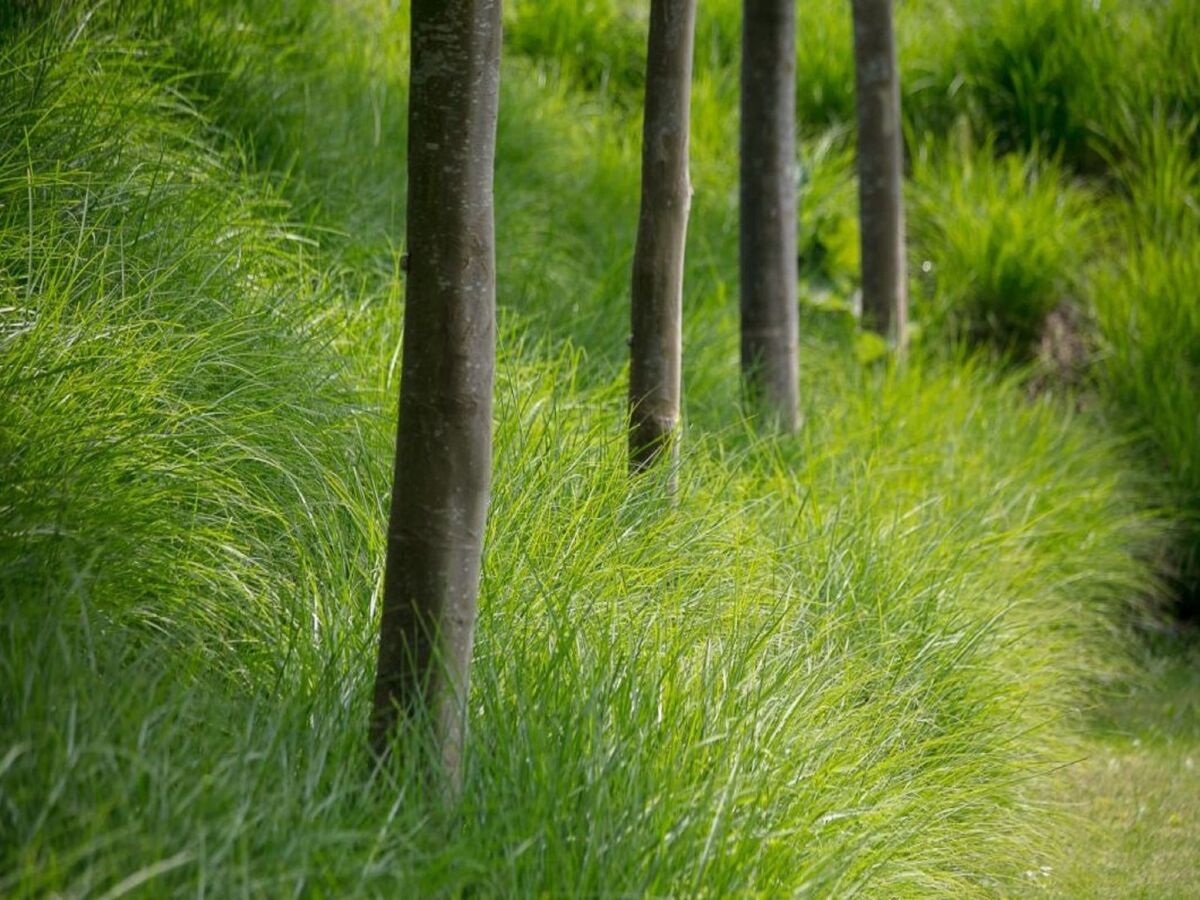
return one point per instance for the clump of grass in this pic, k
(827, 206)
(1177, 75)
(1157, 178)
(160, 327)
(1036, 75)
(824, 66)
(817, 672)
(1148, 317)
(601, 45)
(999, 241)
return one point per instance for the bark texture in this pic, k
(657, 295)
(767, 227)
(443, 444)
(880, 172)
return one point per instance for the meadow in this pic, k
(889, 656)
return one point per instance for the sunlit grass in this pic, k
(843, 661)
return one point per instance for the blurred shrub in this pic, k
(828, 209)
(1148, 314)
(1033, 74)
(599, 44)
(998, 243)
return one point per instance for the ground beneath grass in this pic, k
(1138, 791)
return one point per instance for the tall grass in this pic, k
(159, 313)
(998, 244)
(1152, 331)
(1147, 314)
(1150, 328)
(837, 663)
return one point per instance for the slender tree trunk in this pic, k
(657, 297)
(880, 172)
(443, 444)
(767, 228)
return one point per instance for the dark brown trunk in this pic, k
(880, 172)
(443, 443)
(657, 296)
(767, 228)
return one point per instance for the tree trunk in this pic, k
(443, 443)
(880, 172)
(657, 295)
(767, 227)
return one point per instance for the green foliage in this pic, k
(1150, 322)
(1149, 319)
(824, 65)
(828, 209)
(839, 662)
(598, 44)
(1157, 179)
(998, 241)
(1176, 75)
(156, 309)
(1036, 72)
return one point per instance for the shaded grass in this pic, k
(1149, 321)
(1142, 780)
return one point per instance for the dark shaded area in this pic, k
(1182, 574)
(1159, 700)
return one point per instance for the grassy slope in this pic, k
(837, 663)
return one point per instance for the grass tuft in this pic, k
(999, 243)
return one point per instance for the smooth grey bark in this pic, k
(880, 172)
(657, 294)
(767, 222)
(443, 443)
